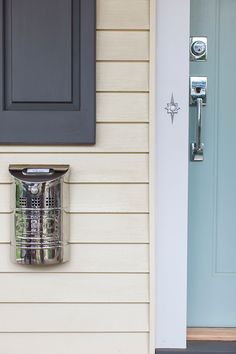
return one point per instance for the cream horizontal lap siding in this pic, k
(99, 302)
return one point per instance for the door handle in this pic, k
(197, 147)
(198, 92)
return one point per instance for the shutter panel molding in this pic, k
(47, 91)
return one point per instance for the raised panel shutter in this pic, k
(47, 72)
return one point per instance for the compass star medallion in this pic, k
(172, 108)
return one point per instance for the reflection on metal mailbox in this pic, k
(40, 203)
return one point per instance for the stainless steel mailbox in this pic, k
(40, 201)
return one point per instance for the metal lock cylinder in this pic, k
(40, 205)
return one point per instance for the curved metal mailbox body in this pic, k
(40, 203)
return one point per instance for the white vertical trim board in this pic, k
(172, 173)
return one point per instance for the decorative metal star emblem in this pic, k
(172, 108)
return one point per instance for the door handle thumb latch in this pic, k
(198, 95)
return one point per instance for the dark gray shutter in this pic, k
(47, 76)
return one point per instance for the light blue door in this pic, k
(212, 183)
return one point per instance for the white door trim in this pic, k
(172, 143)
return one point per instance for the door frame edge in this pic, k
(152, 171)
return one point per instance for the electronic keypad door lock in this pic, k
(198, 96)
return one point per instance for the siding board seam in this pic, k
(93, 243)
(76, 332)
(65, 272)
(124, 91)
(124, 122)
(75, 302)
(94, 213)
(72, 152)
(122, 61)
(122, 30)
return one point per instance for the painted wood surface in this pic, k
(212, 244)
(112, 76)
(79, 288)
(46, 62)
(172, 159)
(117, 45)
(122, 107)
(90, 258)
(105, 288)
(74, 318)
(123, 138)
(114, 14)
(74, 343)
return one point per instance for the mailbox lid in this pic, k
(39, 173)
